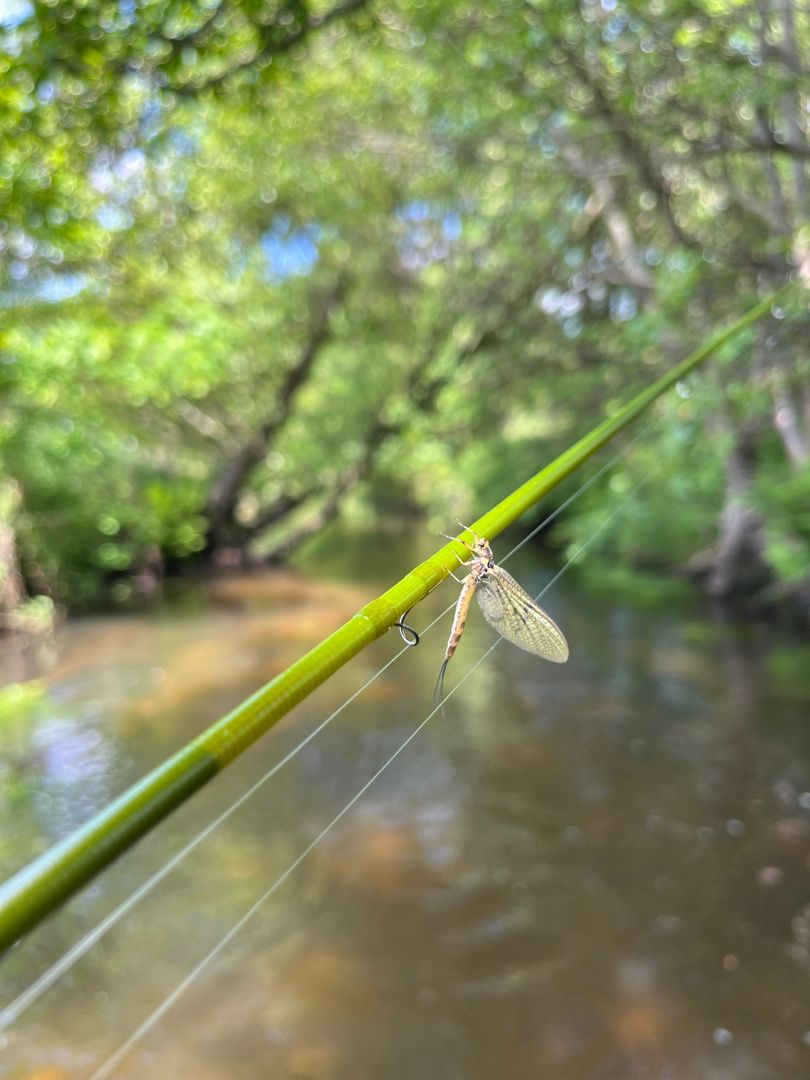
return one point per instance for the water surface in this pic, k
(591, 871)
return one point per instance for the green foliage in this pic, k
(785, 501)
(486, 223)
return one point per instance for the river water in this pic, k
(595, 871)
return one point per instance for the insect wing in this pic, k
(512, 612)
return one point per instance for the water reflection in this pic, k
(76, 765)
(593, 871)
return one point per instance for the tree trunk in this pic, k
(315, 521)
(223, 531)
(738, 565)
(12, 587)
(422, 391)
(788, 422)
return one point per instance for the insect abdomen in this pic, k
(460, 615)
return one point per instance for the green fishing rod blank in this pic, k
(37, 890)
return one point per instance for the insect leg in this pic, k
(467, 527)
(461, 562)
(455, 539)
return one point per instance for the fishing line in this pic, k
(40, 986)
(106, 1068)
(12, 1012)
(580, 490)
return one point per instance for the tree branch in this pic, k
(324, 513)
(633, 148)
(276, 512)
(270, 45)
(226, 490)
(423, 393)
(605, 203)
(755, 145)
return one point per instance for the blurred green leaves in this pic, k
(526, 210)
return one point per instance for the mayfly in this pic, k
(506, 606)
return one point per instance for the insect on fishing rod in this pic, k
(506, 606)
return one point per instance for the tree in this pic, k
(413, 261)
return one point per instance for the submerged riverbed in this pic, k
(591, 871)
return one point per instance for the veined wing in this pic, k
(515, 616)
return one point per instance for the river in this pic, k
(594, 871)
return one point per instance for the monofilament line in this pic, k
(106, 1068)
(580, 491)
(44, 982)
(27, 998)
